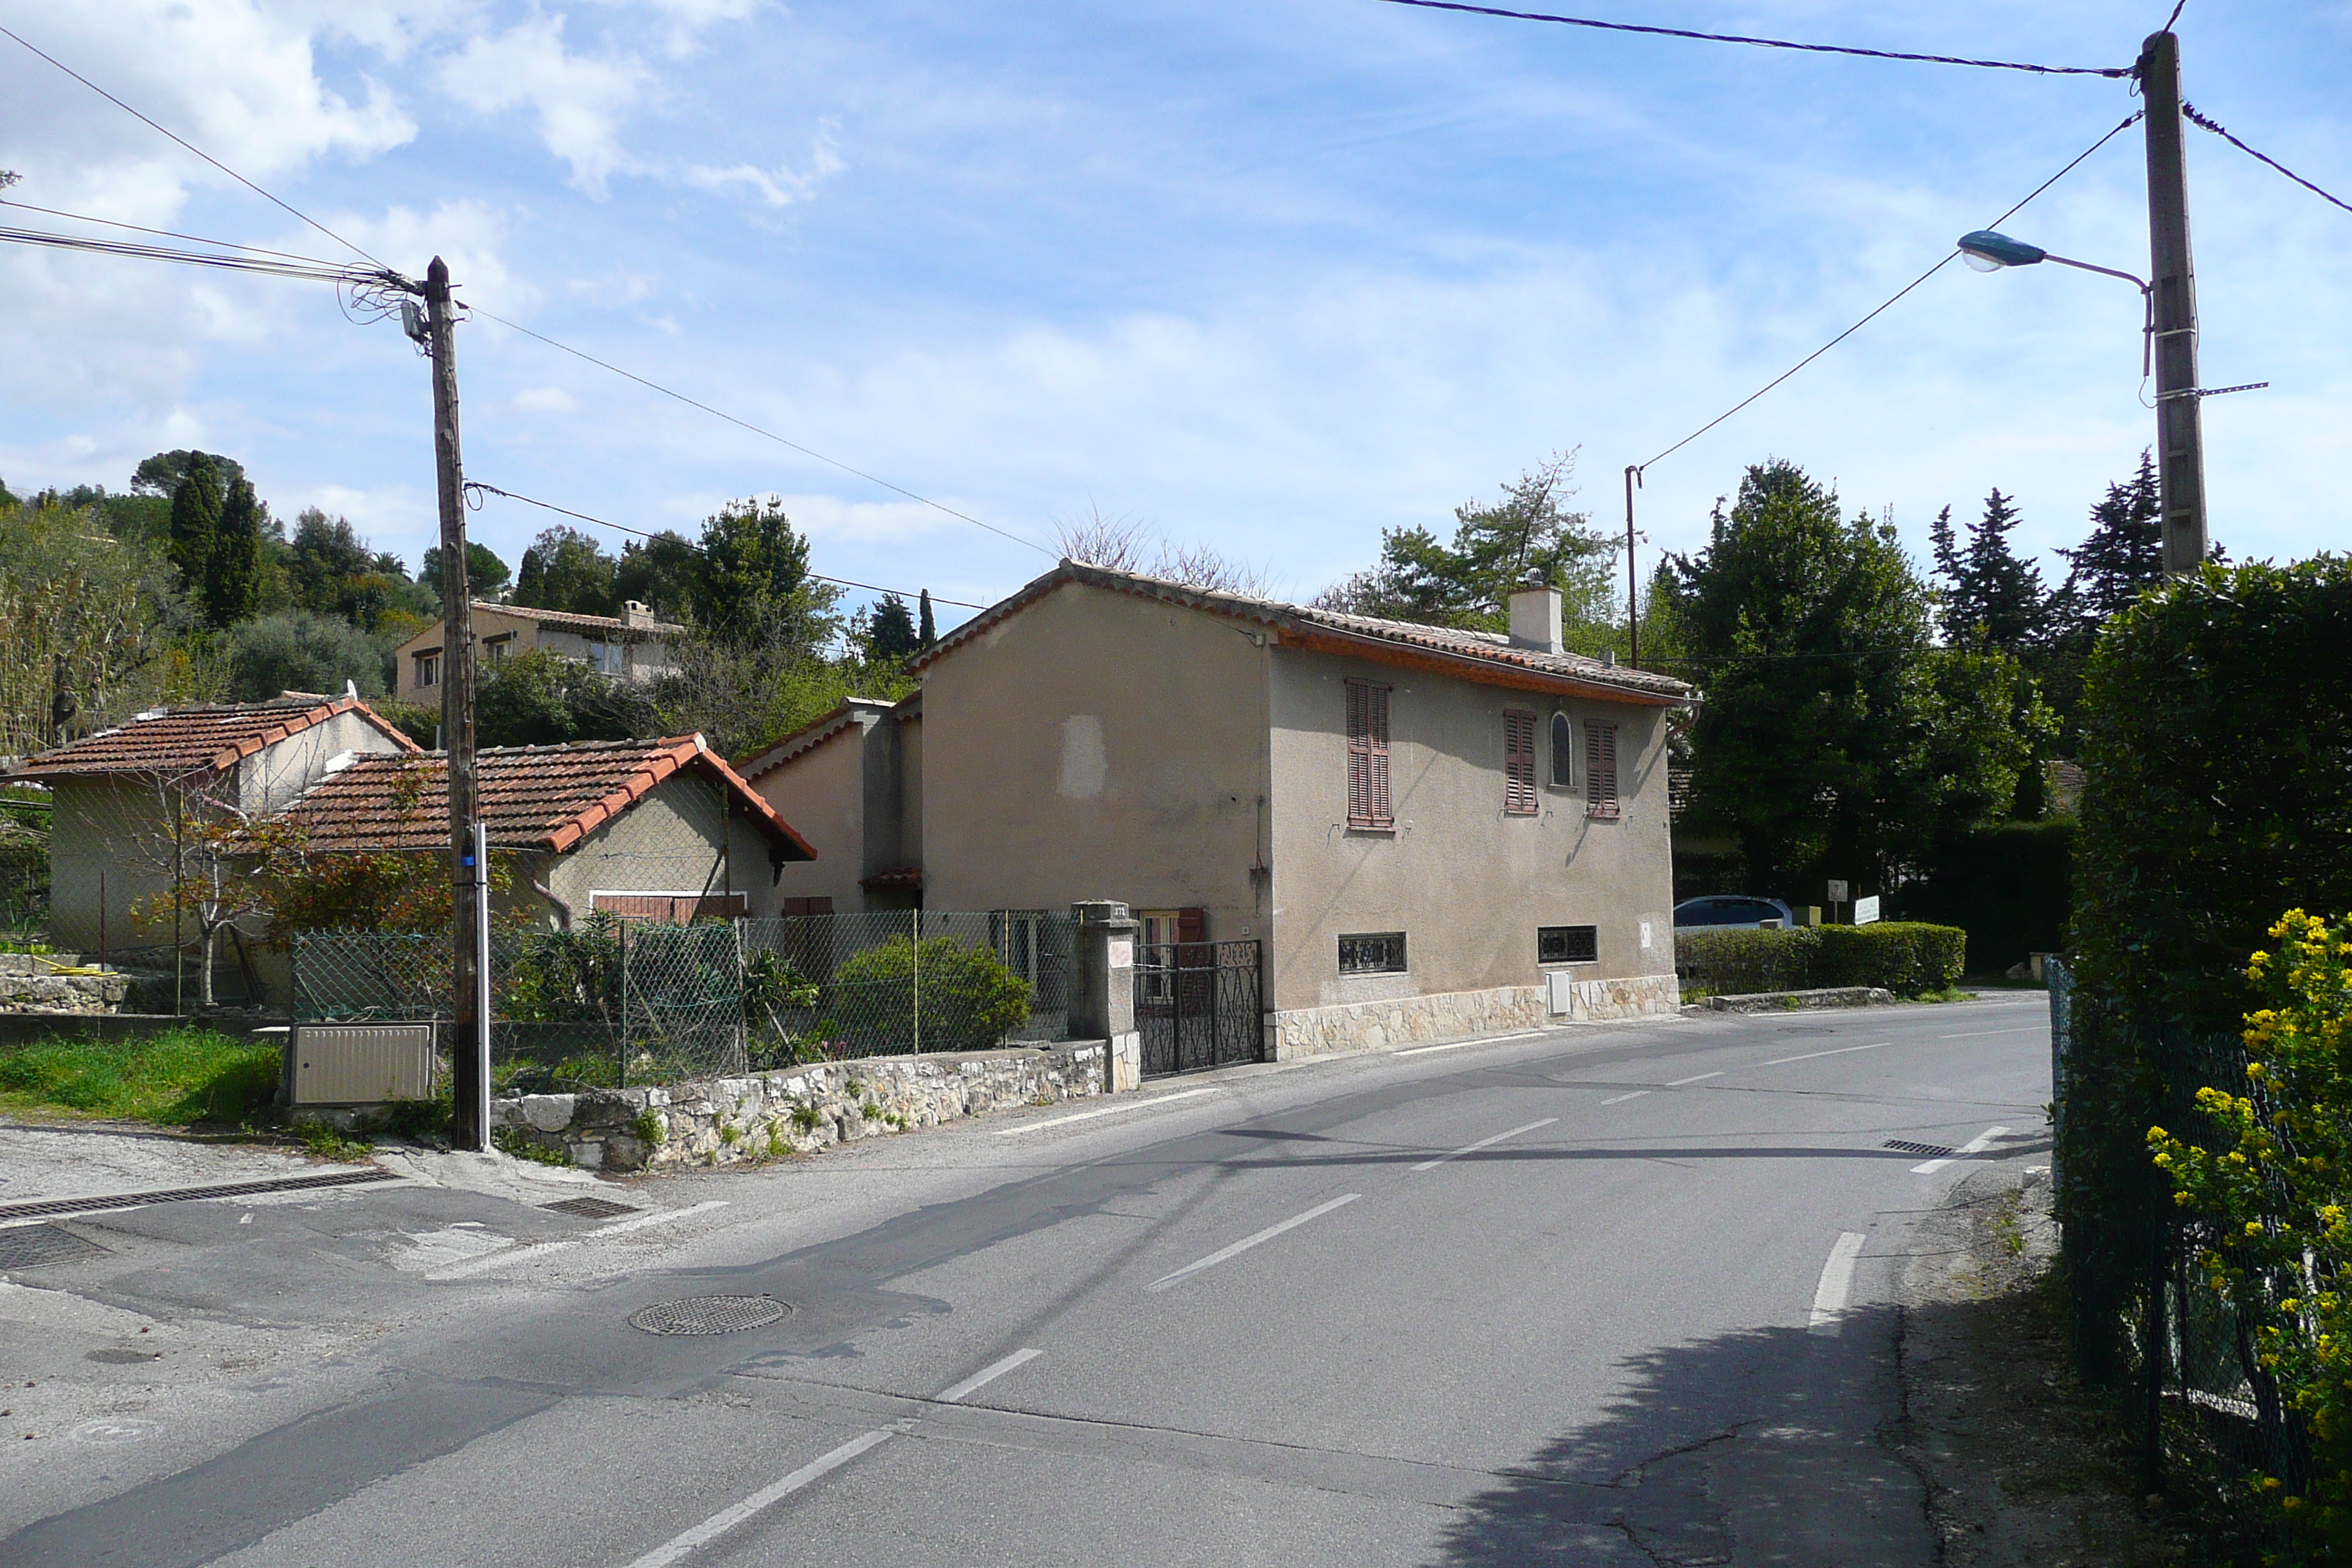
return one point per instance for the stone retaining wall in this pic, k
(33, 983)
(795, 1111)
(1454, 1014)
(1793, 1001)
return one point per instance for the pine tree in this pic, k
(2123, 555)
(2000, 598)
(233, 568)
(890, 631)
(927, 628)
(195, 518)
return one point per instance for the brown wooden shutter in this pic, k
(1520, 763)
(1600, 769)
(1367, 755)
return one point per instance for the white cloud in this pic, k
(581, 102)
(783, 184)
(546, 400)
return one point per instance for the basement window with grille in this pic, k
(1568, 945)
(1380, 953)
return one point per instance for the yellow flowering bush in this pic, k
(2270, 1206)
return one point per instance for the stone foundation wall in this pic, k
(33, 983)
(1455, 1015)
(795, 1111)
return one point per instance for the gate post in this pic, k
(1102, 991)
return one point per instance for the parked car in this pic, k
(1731, 910)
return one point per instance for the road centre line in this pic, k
(489, 1261)
(1107, 1110)
(1836, 1284)
(1695, 1077)
(1981, 1034)
(1808, 1055)
(956, 1393)
(1245, 1243)
(1621, 1099)
(1482, 1143)
(767, 1496)
(1458, 1044)
(1974, 1145)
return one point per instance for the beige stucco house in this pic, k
(1429, 832)
(632, 646)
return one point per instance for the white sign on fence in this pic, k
(1865, 911)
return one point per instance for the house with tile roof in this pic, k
(633, 645)
(121, 797)
(1427, 831)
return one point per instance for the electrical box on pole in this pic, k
(469, 872)
(2180, 423)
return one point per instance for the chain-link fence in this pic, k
(617, 1001)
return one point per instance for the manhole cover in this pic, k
(709, 1315)
(32, 1246)
(591, 1209)
(1901, 1147)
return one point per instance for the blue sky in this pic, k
(1271, 277)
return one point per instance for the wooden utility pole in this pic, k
(469, 1030)
(2180, 423)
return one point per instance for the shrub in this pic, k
(1737, 961)
(302, 651)
(2010, 886)
(1905, 957)
(968, 999)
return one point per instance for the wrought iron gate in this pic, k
(1197, 1004)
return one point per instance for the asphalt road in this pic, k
(1609, 1294)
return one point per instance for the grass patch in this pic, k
(179, 1077)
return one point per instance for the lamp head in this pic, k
(1988, 251)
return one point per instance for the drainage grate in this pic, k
(34, 1245)
(184, 1194)
(1902, 1146)
(591, 1209)
(709, 1315)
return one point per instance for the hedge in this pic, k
(2010, 886)
(1909, 958)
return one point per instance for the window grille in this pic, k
(1380, 953)
(1568, 945)
(1600, 769)
(1367, 755)
(1518, 763)
(1563, 752)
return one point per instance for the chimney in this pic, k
(1535, 615)
(634, 614)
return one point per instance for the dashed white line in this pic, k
(1981, 1034)
(767, 1496)
(1458, 1044)
(1837, 1283)
(987, 1374)
(489, 1261)
(1976, 1145)
(1808, 1055)
(1695, 1078)
(1483, 1143)
(1157, 1100)
(1621, 1099)
(1245, 1243)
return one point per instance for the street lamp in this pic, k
(1988, 251)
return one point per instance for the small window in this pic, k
(1563, 752)
(499, 646)
(428, 669)
(1379, 954)
(1568, 945)
(1600, 769)
(1518, 763)
(1367, 755)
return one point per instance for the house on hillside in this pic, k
(123, 797)
(1426, 831)
(633, 645)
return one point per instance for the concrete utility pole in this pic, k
(469, 1033)
(2180, 423)
(1632, 586)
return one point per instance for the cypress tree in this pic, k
(232, 582)
(2002, 596)
(927, 629)
(195, 518)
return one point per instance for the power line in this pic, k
(769, 434)
(313, 271)
(2127, 123)
(641, 533)
(164, 233)
(199, 152)
(2115, 71)
(2189, 110)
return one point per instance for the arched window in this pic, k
(1563, 752)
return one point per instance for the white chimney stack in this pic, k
(1535, 617)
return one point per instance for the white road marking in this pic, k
(987, 1374)
(1107, 1110)
(541, 1249)
(1695, 1078)
(767, 1496)
(1458, 1044)
(1808, 1055)
(1245, 1243)
(1482, 1143)
(1981, 1034)
(1837, 1284)
(1974, 1145)
(1621, 1099)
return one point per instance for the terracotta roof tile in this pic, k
(579, 622)
(181, 742)
(532, 797)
